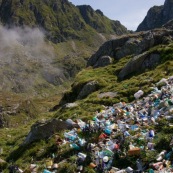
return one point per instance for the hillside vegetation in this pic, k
(107, 78)
(45, 51)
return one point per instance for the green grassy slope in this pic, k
(108, 82)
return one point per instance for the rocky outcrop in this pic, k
(133, 44)
(88, 89)
(79, 91)
(45, 129)
(103, 61)
(157, 16)
(139, 63)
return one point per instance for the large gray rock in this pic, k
(139, 63)
(107, 49)
(88, 89)
(103, 61)
(45, 129)
(136, 45)
(133, 44)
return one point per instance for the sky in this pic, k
(129, 12)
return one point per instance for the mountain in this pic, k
(48, 41)
(157, 16)
(60, 19)
(99, 22)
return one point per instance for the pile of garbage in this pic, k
(122, 124)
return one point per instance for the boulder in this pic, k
(103, 61)
(107, 49)
(87, 89)
(45, 129)
(139, 63)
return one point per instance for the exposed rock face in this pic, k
(133, 44)
(88, 89)
(139, 63)
(157, 16)
(103, 61)
(107, 49)
(43, 130)
(152, 19)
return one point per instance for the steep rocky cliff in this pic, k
(157, 16)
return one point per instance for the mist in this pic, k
(31, 42)
(26, 58)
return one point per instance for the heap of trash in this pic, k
(122, 123)
(124, 130)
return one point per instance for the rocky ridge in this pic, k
(135, 45)
(60, 19)
(157, 16)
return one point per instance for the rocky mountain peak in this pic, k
(99, 22)
(168, 10)
(157, 16)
